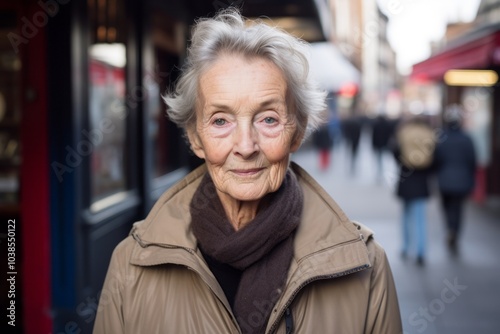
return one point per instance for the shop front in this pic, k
(468, 69)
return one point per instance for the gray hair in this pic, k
(227, 33)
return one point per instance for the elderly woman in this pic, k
(248, 242)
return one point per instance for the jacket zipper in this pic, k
(289, 321)
(229, 310)
(317, 278)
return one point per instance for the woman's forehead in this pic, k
(233, 78)
(241, 67)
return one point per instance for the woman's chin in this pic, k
(246, 193)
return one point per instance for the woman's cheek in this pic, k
(218, 148)
(276, 149)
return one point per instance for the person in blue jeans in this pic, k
(413, 150)
(414, 224)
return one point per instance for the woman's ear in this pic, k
(296, 141)
(195, 142)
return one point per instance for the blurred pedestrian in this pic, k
(351, 129)
(413, 151)
(323, 142)
(455, 165)
(382, 131)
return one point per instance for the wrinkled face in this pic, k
(244, 129)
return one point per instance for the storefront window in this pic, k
(477, 102)
(167, 38)
(107, 105)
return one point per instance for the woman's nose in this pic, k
(245, 141)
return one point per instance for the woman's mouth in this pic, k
(247, 171)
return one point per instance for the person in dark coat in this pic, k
(323, 142)
(382, 131)
(351, 130)
(413, 183)
(455, 166)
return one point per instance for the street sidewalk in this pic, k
(449, 294)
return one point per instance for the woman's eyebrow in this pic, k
(217, 105)
(271, 101)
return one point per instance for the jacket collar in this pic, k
(324, 225)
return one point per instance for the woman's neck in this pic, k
(239, 213)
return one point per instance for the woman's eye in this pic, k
(269, 120)
(220, 122)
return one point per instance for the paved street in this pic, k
(459, 295)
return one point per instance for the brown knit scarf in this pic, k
(263, 249)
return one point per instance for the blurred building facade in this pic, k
(465, 67)
(346, 29)
(488, 12)
(85, 145)
(360, 30)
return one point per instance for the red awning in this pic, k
(480, 53)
